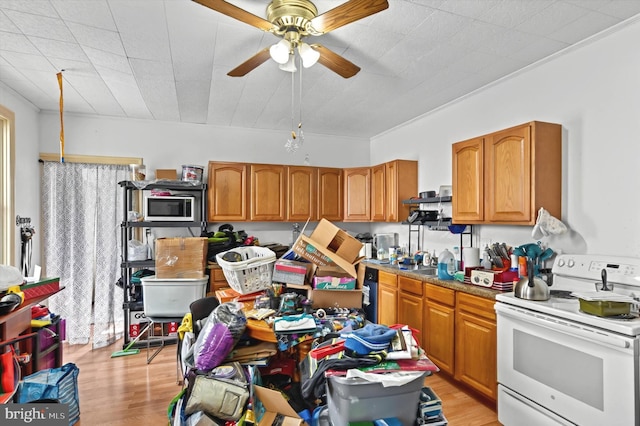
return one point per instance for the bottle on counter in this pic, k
(486, 260)
(446, 265)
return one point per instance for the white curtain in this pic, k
(81, 214)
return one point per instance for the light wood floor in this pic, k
(128, 391)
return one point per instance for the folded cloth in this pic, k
(370, 338)
(547, 225)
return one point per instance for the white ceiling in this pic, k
(167, 59)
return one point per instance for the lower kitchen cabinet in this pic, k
(475, 345)
(410, 303)
(438, 331)
(217, 280)
(387, 298)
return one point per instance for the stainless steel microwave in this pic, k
(169, 208)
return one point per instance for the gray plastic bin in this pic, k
(355, 399)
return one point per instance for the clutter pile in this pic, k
(294, 347)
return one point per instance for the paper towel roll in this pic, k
(471, 256)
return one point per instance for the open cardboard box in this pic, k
(273, 403)
(329, 245)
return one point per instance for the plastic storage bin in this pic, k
(251, 274)
(355, 400)
(171, 297)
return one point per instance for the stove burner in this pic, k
(562, 294)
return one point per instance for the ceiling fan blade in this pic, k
(250, 64)
(346, 13)
(335, 62)
(240, 14)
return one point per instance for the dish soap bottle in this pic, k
(446, 265)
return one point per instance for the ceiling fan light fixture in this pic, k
(290, 65)
(309, 55)
(280, 51)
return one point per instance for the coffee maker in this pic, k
(383, 242)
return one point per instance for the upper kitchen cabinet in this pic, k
(268, 192)
(357, 194)
(378, 194)
(302, 183)
(507, 176)
(330, 194)
(468, 181)
(227, 195)
(401, 183)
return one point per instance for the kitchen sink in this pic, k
(422, 270)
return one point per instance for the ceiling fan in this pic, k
(293, 20)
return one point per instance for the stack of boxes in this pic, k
(329, 278)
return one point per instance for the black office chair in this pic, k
(200, 310)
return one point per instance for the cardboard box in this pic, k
(334, 283)
(337, 241)
(269, 403)
(181, 257)
(329, 245)
(170, 174)
(291, 271)
(330, 298)
(336, 298)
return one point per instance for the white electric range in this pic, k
(559, 365)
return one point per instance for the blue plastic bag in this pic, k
(60, 384)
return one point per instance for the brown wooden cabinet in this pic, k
(401, 183)
(378, 194)
(475, 345)
(217, 280)
(302, 184)
(410, 303)
(506, 176)
(227, 193)
(357, 194)
(268, 192)
(387, 298)
(330, 194)
(468, 181)
(438, 331)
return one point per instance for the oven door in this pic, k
(583, 374)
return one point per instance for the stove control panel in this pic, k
(623, 270)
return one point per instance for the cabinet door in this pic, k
(303, 193)
(387, 305)
(378, 194)
(227, 194)
(387, 298)
(268, 192)
(468, 181)
(476, 339)
(330, 196)
(401, 184)
(357, 194)
(410, 310)
(438, 336)
(508, 175)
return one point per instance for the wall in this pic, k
(170, 145)
(27, 171)
(594, 92)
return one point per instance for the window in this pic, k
(7, 159)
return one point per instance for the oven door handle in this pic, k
(560, 326)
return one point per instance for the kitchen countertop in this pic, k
(487, 293)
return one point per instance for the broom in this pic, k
(127, 350)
